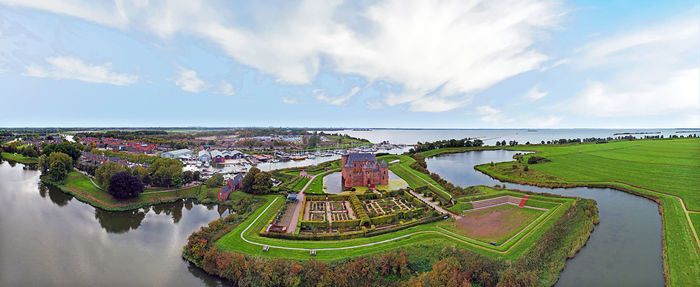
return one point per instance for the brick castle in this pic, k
(363, 169)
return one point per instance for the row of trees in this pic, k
(27, 150)
(57, 159)
(466, 142)
(164, 172)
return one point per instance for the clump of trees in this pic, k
(105, 172)
(256, 182)
(166, 172)
(536, 159)
(74, 150)
(466, 142)
(56, 166)
(124, 185)
(216, 180)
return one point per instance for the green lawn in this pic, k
(413, 177)
(316, 186)
(663, 169)
(425, 233)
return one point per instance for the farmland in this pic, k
(664, 170)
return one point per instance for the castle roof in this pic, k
(361, 157)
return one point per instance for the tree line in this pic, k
(465, 142)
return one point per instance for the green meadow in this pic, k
(667, 170)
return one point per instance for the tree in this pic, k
(104, 173)
(123, 185)
(44, 163)
(142, 173)
(176, 180)
(187, 176)
(163, 170)
(71, 149)
(263, 182)
(195, 176)
(59, 164)
(216, 180)
(249, 180)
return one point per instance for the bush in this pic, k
(536, 159)
(216, 180)
(59, 164)
(123, 185)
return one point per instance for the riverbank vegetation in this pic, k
(665, 170)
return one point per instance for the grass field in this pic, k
(79, 185)
(667, 170)
(316, 186)
(495, 224)
(432, 233)
(413, 177)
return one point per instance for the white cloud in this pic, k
(654, 72)
(440, 53)
(320, 95)
(491, 115)
(76, 69)
(188, 81)
(100, 12)
(225, 89)
(535, 94)
(289, 101)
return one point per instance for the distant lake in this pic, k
(490, 136)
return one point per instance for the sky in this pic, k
(330, 63)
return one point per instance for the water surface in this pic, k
(49, 238)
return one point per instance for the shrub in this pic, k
(124, 185)
(536, 159)
(216, 180)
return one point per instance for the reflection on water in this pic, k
(119, 221)
(62, 241)
(623, 250)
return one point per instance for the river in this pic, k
(623, 250)
(49, 238)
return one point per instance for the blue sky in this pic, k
(395, 63)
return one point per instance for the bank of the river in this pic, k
(80, 186)
(20, 158)
(625, 166)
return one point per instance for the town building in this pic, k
(204, 156)
(180, 153)
(231, 185)
(363, 169)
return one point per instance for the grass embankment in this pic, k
(414, 178)
(79, 185)
(664, 170)
(20, 158)
(316, 185)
